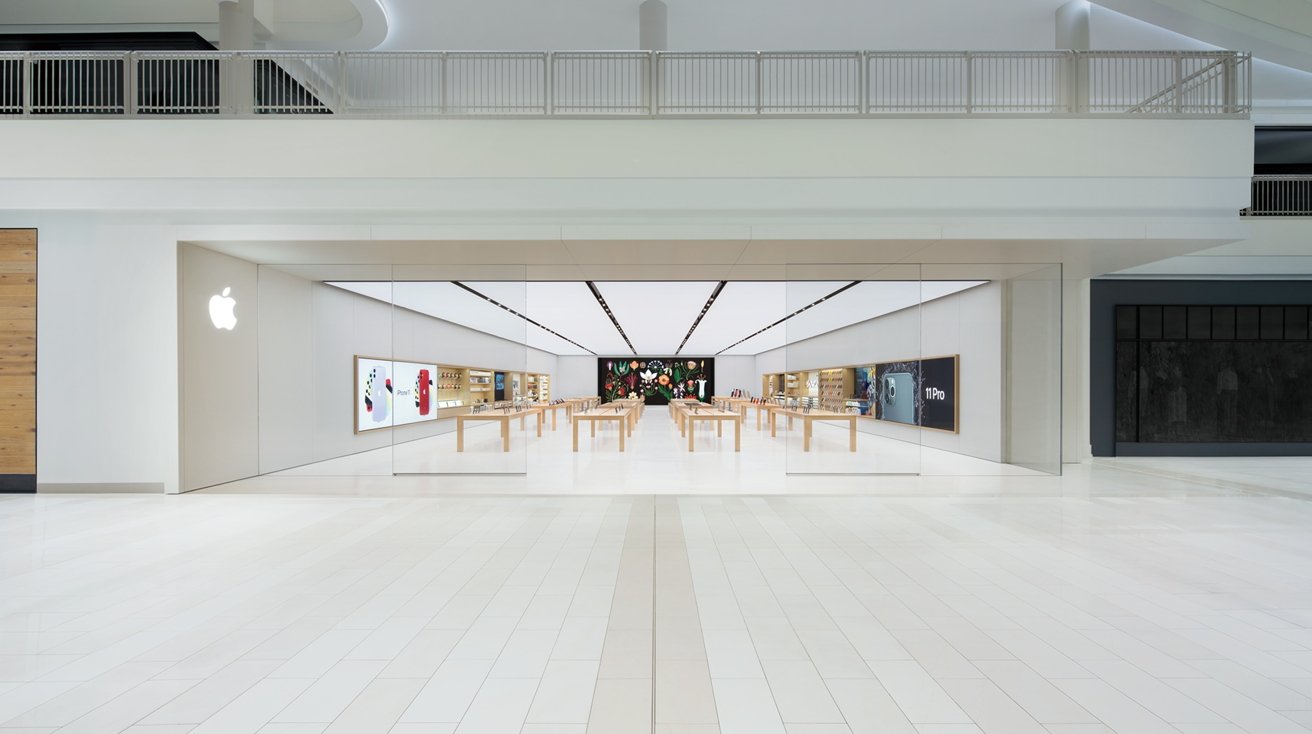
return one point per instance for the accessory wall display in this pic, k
(921, 392)
(657, 380)
(393, 393)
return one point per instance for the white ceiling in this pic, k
(656, 315)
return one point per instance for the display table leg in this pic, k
(553, 419)
(505, 435)
(622, 432)
(806, 434)
(540, 417)
(738, 434)
(773, 422)
(851, 433)
(719, 429)
(460, 433)
(758, 417)
(593, 426)
(575, 424)
(691, 423)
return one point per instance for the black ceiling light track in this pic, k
(808, 306)
(605, 307)
(504, 307)
(709, 301)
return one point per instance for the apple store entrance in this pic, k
(828, 378)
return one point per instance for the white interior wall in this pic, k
(316, 331)
(576, 377)
(1033, 428)
(967, 323)
(736, 372)
(107, 339)
(218, 370)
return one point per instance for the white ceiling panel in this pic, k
(570, 308)
(742, 308)
(656, 315)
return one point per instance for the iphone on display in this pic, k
(897, 397)
(422, 399)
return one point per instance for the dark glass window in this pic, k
(1296, 323)
(1247, 322)
(1127, 322)
(1174, 322)
(1273, 322)
(1223, 322)
(1200, 322)
(1150, 322)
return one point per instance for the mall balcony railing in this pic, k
(442, 84)
(1281, 196)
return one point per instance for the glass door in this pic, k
(852, 378)
(326, 373)
(460, 358)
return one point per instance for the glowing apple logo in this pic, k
(221, 307)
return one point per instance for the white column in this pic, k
(1075, 371)
(653, 25)
(1073, 26)
(236, 33)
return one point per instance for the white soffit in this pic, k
(656, 315)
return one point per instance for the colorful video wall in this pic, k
(657, 380)
(391, 393)
(919, 392)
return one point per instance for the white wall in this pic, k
(576, 377)
(107, 340)
(309, 336)
(967, 323)
(218, 369)
(736, 373)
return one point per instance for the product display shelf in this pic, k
(795, 384)
(482, 388)
(836, 388)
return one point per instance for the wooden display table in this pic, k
(808, 420)
(690, 418)
(628, 407)
(504, 417)
(768, 409)
(680, 411)
(578, 405)
(679, 404)
(552, 408)
(737, 405)
(622, 417)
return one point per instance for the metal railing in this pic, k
(627, 83)
(1281, 196)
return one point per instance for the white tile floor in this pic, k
(655, 460)
(1104, 600)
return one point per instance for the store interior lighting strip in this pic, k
(714, 295)
(605, 307)
(808, 306)
(503, 306)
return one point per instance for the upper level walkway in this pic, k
(637, 84)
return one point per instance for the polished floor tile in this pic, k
(1107, 600)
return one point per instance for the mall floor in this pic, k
(1107, 600)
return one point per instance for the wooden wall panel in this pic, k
(18, 360)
